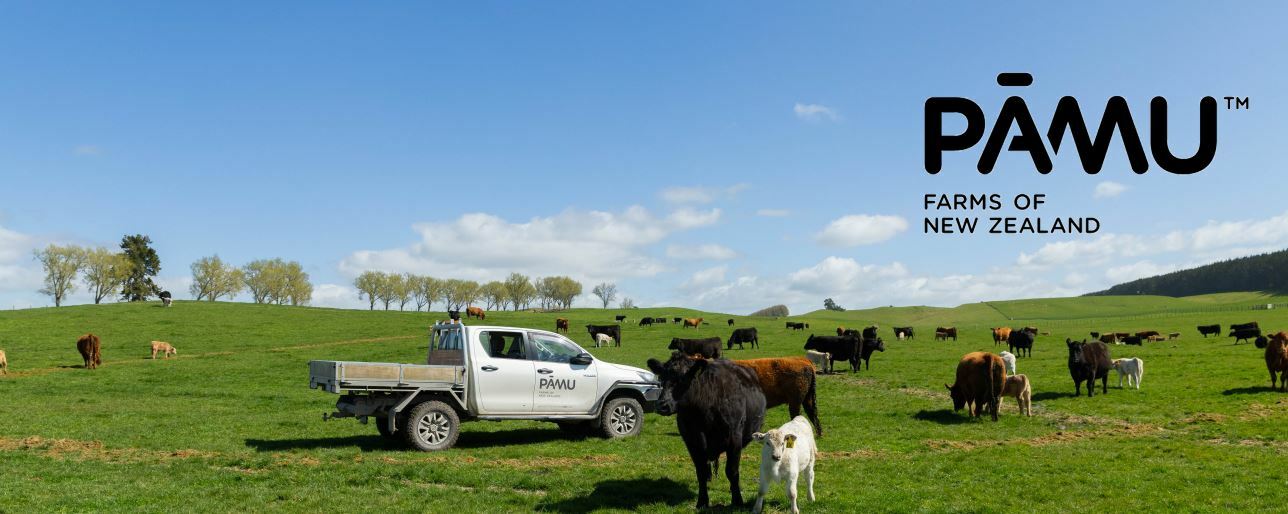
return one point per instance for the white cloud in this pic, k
(19, 272)
(706, 278)
(700, 194)
(700, 252)
(87, 150)
(337, 296)
(815, 112)
(1108, 189)
(773, 213)
(591, 246)
(861, 229)
(1135, 270)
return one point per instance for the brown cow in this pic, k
(1001, 335)
(692, 322)
(789, 381)
(1147, 334)
(1277, 360)
(980, 379)
(561, 325)
(164, 348)
(91, 350)
(475, 312)
(4, 363)
(840, 331)
(1109, 338)
(945, 333)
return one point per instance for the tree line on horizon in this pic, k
(1264, 272)
(516, 292)
(127, 273)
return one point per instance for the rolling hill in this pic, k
(1263, 272)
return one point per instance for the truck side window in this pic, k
(504, 345)
(552, 349)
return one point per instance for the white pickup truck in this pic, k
(489, 373)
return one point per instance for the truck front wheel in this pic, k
(431, 426)
(621, 417)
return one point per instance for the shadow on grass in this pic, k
(365, 443)
(375, 442)
(625, 494)
(1250, 390)
(942, 416)
(1052, 395)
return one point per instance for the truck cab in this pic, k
(489, 373)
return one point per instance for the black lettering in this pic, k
(936, 142)
(1158, 138)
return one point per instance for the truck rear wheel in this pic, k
(621, 417)
(431, 426)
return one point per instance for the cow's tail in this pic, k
(811, 401)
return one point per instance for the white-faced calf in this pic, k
(786, 453)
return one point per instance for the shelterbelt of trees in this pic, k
(517, 291)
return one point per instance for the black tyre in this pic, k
(621, 417)
(431, 426)
(382, 425)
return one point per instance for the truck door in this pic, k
(562, 387)
(503, 373)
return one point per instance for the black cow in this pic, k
(1087, 363)
(708, 347)
(869, 346)
(1245, 334)
(731, 322)
(646, 321)
(843, 348)
(796, 326)
(1133, 340)
(717, 405)
(907, 332)
(676, 320)
(620, 318)
(613, 331)
(741, 336)
(1207, 330)
(165, 297)
(1020, 343)
(1244, 326)
(851, 332)
(456, 316)
(870, 332)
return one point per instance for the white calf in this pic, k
(786, 453)
(1132, 369)
(603, 339)
(1009, 359)
(822, 361)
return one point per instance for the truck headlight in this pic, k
(646, 376)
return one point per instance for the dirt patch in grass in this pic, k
(1255, 411)
(511, 463)
(468, 489)
(95, 450)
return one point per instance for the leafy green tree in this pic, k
(212, 278)
(401, 289)
(104, 272)
(298, 290)
(61, 264)
(263, 279)
(144, 264)
(494, 294)
(831, 305)
(519, 290)
(368, 286)
(426, 291)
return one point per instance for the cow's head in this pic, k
(810, 344)
(959, 397)
(877, 344)
(1075, 350)
(775, 443)
(675, 344)
(676, 375)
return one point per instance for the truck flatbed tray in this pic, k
(341, 376)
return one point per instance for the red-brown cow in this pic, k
(980, 379)
(91, 350)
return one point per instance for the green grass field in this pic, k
(230, 425)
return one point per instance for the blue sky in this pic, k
(694, 154)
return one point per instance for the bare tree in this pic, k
(606, 292)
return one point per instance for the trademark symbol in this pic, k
(1236, 103)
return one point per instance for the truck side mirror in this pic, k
(583, 359)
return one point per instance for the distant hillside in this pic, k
(773, 312)
(1265, 272)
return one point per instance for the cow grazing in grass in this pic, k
(1001, 334)
(1277, 360)
(708, 347)
(731, 322)
(1009, 359)
(4, 362)
(718, 405)
(676, 320)
(692, 322)
(1019, 387)
(1244, 326)
(947, 333)
(164, 348)
(1109, 339)
(906, 331)
(843, 348)
(869, 346)
(980, 378)
(619, 318)
(1020, 342)
(1121, 335)
(788, 381)
(821, 361)
(1146, 334)
(1173, 335)
(602, 339)
(475, 312)
(796, 326)
(1245, 334)
(741, 336)
(1087, 363)
(787, 453)
(90, 348)
(1207, 330)
(1132, 369)
(166, 298)
(647, 321)
(561, 325)
(613, 331)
